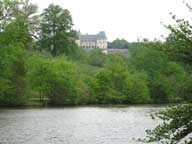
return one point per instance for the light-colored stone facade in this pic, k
(92, 41)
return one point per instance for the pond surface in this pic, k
(80, 125)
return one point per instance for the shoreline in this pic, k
(91, 106)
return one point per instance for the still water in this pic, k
(82, 125)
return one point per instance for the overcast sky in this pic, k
(128, 19)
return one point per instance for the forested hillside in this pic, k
(39, 59)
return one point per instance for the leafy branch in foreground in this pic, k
(176, 128)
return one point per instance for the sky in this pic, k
(128, 19)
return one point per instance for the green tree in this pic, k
(12, 65)
(56, 34)
(54, 78)
(119, 44)
(15, 20)
(21, 18)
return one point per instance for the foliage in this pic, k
(176, 128)
(12, 56)
(178, 43)
(165, 78)
(54, 78)
(115, 84)
(38, 58)
(119, 44)
(94, 57)
(56, 26)
(18, 17)
(12, 75)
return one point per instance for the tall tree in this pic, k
(56, 30)
(16, 22)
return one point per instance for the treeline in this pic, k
(39, 59)
(118, 44)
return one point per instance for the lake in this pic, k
(78, 125)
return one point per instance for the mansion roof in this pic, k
(93, 38)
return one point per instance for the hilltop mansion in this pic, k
(92, 41)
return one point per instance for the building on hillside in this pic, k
(92, 41)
